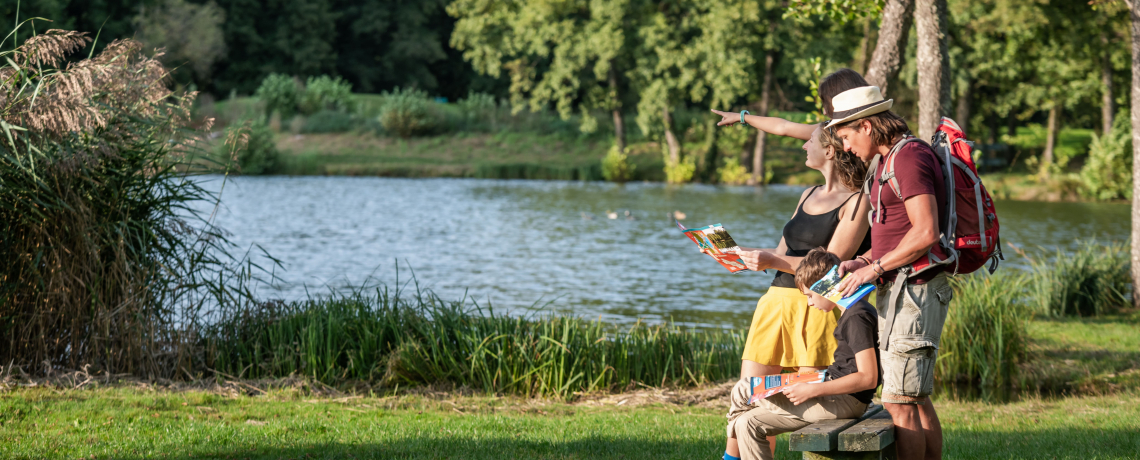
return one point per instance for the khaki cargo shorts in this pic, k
(911, 348)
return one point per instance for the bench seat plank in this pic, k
(823, 436)
(870, 435)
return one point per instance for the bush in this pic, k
(406, 113)
(616, 167)
(326, 93)
(249, 148)
(330, 121)
(1107, 174)
(280, 93)
(1092, 281)
(480, 112)
(679, 172)
(985, 336)
(733, 173)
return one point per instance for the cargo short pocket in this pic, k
(908, 371)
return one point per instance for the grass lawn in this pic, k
(139, 423)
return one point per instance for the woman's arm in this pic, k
(865, 379)
(771, 125)
(850, 232)
(763, 259)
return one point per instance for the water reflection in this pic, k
(523, 244)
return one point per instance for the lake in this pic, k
(523, 246)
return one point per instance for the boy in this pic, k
(851, 379)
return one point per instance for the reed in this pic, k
(1093, 280)
(390, 338)
(985, 337)
(103, 261)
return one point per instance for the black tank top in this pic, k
(807, 231)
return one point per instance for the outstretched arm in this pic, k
(770, 125)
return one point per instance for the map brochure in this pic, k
(828, 287)
(716, 240)
(768, 385)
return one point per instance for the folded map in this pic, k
(716, 241)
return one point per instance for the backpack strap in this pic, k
(888, 175)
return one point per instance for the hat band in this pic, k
(847, 113)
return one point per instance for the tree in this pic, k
(1134, 10)
(564, 52)
(190, 33)
(889, 49)
(931, 25)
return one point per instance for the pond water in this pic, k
(526, 245)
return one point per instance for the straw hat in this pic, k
(858, 103)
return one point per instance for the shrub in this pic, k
(325, 93)
(733, 173)
(1107, 174)
(985, 336)
(479, 111)
(249, 148)
(330, 121)
(616, 167)
(405, 113)
(1092, 281)
(280, 93)
(681, 171)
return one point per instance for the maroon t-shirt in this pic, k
(916, 169)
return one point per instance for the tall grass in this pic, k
(103, 261)
(985, 339)
(1093, 280)
(398, 338)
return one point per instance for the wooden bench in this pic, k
(871, 436)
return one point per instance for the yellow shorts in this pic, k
(787, 332)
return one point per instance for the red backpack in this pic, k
(969, 236)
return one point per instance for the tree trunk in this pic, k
(869, 37)
(962, 115)
(615, 103)
(933, 64)
(1134, 6)
(1106, 110)
(1050, 140)
(761, 148)
(891, 45)
(708, 166)
(670, 138)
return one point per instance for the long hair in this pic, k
(837, 82)
(885, 127)
(851, 170)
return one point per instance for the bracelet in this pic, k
(864, 259)
(881, 270)
(742, 113)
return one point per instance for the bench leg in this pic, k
(886, 454)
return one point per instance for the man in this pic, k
(905, 227)
(851, 378)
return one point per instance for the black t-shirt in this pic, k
(858, 330)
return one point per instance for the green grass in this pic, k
(1086, 355)
(131, 423)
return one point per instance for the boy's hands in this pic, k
(727, 118)
(801, 393)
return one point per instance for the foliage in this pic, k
(1092, 281)
(480, 111)
(250, 149)
(680, 172)
(190, 33)
(410, 338)
(837, 10)
(733, 173)
(985, 339)
(616, 166)
(330, 121)
(280, 94)
(325, 93)
(816, 116)
(1107, 174)
(105, 261)
(406, 113)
